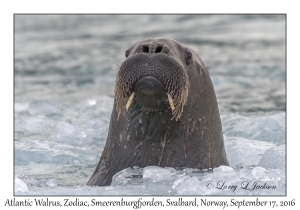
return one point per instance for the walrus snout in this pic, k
(149, 86)
(150, 92)
(155, 58)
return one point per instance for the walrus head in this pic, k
(162, 79)
(153, 78)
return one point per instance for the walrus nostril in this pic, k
(146, 49)
(158, 49)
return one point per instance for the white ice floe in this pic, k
(156, 174)
(20, 186)
(273, 158)
(245, 152)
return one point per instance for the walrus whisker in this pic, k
(171, 102)
(130, 99)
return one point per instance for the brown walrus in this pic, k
(165, 112)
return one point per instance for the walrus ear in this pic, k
(127, 53)
(188, 57)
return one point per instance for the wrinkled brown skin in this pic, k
(142, 139)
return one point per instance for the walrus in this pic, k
(165, 112)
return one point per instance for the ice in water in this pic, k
(156, 174)
(259, 172)
(273, 158)
(36, 124)
(42, 107)
(128, 176)
(244, 152)
(21, 107)
(51, 182)
(20, 186)
(265, 128)
(223, 170)
(188, 186)
(71, 148)
(92, 102)
(52, 152)
(65, 133)
(85, 134)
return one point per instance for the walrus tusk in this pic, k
(171, 102)
(129, 100)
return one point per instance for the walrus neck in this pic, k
(148, 125)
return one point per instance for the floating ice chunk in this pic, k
(223, 176)
(244, 152)
(65, 133)
(179, 181)
(89, 133)
(189, 186)
(259, 172)
(172, 170)
(65, 129)
(223, 169)
(157, 174)
(245, 174)
(20, 186)
(21, 107)
(92, 102)
(34, 124)
(273, 158)
(51, 183)
(42, 107)
(52, 152)
(192, 184)
(128, 176)
(266, 128)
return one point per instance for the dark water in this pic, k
(65, 68)
(70, 57)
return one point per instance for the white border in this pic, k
(8, 8)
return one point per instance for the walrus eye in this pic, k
(158, 49)
(126, 53)
(188, 57)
